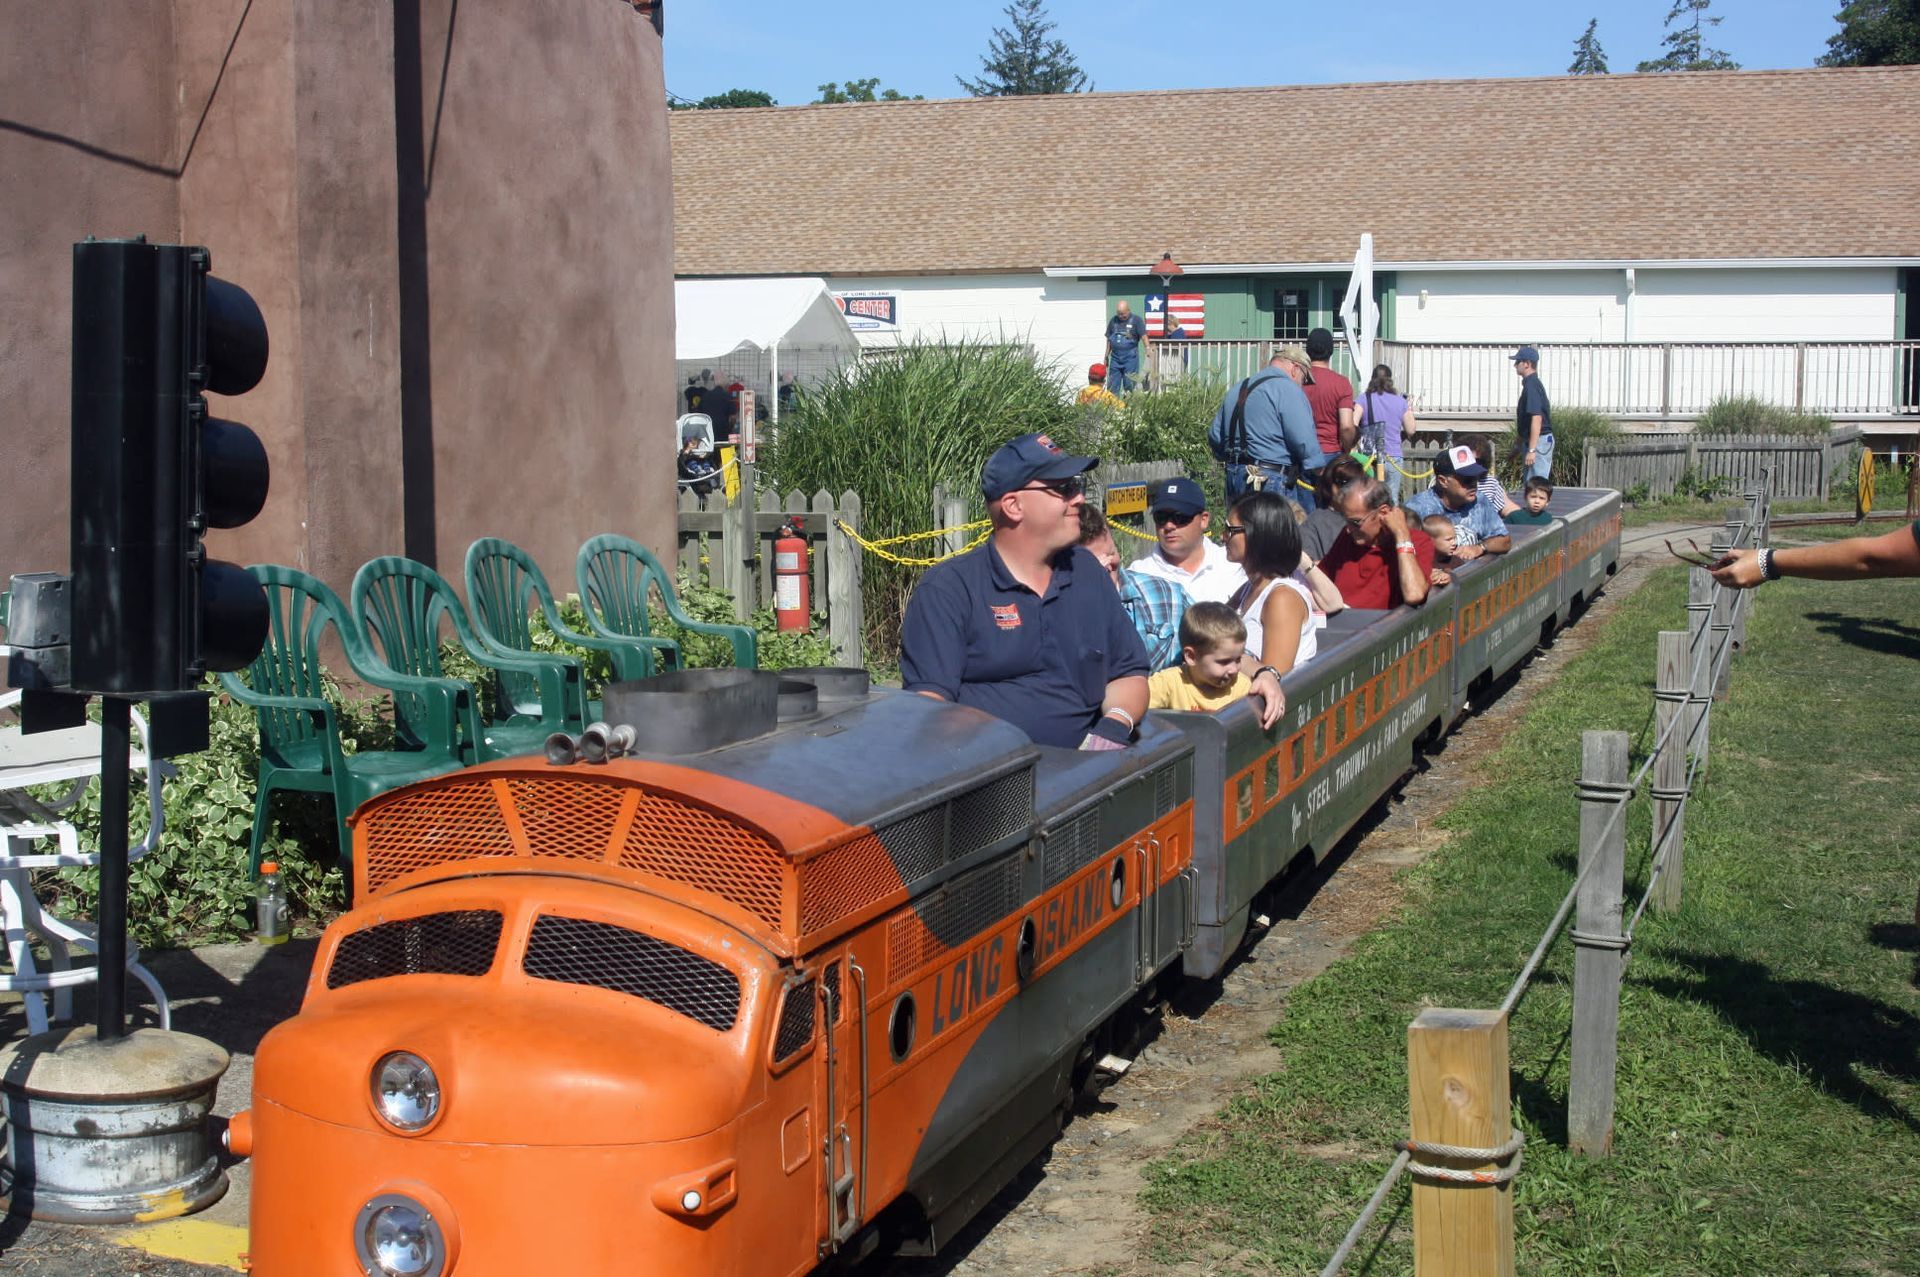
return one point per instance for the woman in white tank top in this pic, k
(1278, 610)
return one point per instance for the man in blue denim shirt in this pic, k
(1456, 478)
(1274, 440)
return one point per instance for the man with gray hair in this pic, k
(1264, 432)
(1382, 559)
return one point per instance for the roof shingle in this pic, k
(1745, 164)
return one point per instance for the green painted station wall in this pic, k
(1240, 307)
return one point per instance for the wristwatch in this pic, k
(1266, 669)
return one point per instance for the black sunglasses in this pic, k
(1065, 489)
(1177, 519)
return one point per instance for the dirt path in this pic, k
(1077, 1209)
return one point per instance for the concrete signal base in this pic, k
(110, 1132)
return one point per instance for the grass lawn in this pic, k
(1768, 1118)
(1675, 510)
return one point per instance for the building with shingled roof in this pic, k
(1707, 208)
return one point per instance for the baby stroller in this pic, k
(695, 469)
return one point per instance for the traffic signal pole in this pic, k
(116, 739)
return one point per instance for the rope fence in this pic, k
(1454, 1051)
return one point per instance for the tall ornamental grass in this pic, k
(891, 428)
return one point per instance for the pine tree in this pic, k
(1588, 57)
(1875, 33)
(1023, 61)
(1686, 45)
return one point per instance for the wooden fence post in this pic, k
(1460, 1091)
(846, 625)
(1722, 628)
(1600, 952)
(1670, 771)
(1700, 593)
(741, 545)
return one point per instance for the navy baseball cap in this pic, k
(1526, 354)
(1020, 462)
(1182, 496)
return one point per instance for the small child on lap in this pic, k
(1212, 640)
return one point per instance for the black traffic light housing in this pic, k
(153, 331)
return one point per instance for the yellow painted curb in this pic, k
(197, 1241)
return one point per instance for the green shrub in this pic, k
(1168, 423)
(892, 428)
(1572, 428)
(1745, 415)
(194, 887)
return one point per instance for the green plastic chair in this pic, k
(615, 574)
(503, 579)
(400, 606)
(300, 747)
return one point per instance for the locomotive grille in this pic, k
(1072, 845)
(566, 818)
(917, 843)
(796, 1021)
(832, 982)
(429, 827)
(461, 943)
(1163, 792)
(952, 915)
(991, 813)
(691, 845)
(603, 956)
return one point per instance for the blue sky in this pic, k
(789, 48)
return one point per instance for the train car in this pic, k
(814, 968)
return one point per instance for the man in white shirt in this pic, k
(1182, 554)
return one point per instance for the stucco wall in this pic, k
(549, 233)
(73, 163)
(462, 252)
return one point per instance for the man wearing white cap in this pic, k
(1456, 478)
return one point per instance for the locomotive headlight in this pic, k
(395, 1236)
(406, 1093)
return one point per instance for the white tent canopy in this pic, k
(752, 330)
(713, 318)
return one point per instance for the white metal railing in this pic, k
(1656, 380)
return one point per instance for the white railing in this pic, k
(1653, 380)
(1666, 379)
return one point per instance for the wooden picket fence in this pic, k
(1801, 465)
(730, 548)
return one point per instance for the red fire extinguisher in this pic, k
(792, 592)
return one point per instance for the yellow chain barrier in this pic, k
(1119, 526)
(879, 547)
(1408, 474)
(1863, 498)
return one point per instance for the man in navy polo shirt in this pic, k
(1029, 626)
(1533, 418)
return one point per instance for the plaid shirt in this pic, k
(1156, 606)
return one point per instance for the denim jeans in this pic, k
(1392, 475)
(1120, 376)
(1542, 466)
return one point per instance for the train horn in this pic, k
(562, 749)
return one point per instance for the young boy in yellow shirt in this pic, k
(1212, 640)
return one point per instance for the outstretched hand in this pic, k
(1739, 570)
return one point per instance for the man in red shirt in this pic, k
(1331, 396)
(1380, 560)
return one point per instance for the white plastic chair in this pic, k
(71, 754)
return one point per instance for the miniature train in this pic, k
(752, 1007)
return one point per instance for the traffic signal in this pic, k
(153, 332)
